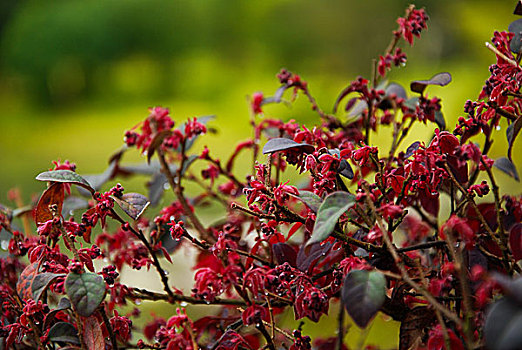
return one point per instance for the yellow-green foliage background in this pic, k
(74, 74)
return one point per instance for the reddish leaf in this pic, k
(53, 195)
(92, 334)
(25, 281)
(284, 253)
(515, 241)
(156, 142)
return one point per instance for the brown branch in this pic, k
(155, 260)
(143, 294)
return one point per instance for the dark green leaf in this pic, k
(363, 294)
(283, 144)
(66, 176)
(507, 167)
(503, 325)
(133, 204)
(335, 205)
(86, 291)
(512, 133)
(63, 332)
(41, 282)
(441, 79)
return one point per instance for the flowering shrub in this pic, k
(363, 229)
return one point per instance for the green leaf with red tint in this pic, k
(54, 195)
(335, 205)
(63, 332)
(515, 241)
(92, 334)
(86, 291)
(133, 204)
(512, 133)
(440, 79)
(41, 282)
(363, 294)
(507, 167)
(65, 176)
(284, 144)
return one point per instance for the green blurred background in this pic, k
(74, 74)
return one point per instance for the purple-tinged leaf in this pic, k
(503, 325)
(133, 204)
(284, 253)
(507, 167)
(441, 79)
(65, 176)
(358, 109)
(86, 292)
(335, 205)
(277, 96)
(515, 241)
(412, 149)
(440, 121)
(311, 200)
(512, 133)
(72, 203)
(284, 144)
(515, 27)
(42, 281)
(309, 254)
(156, 186)
(98, 180)
(512, 287)
(363, 294)
(63, 332)
(392, 91)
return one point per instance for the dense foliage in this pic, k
(362, 229)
